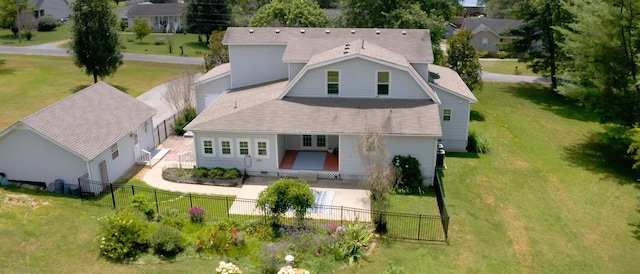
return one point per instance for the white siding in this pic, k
(423, 70)
(25, 156)
(255, 64)
(115, 167)
(257, 166)
(212, 88)
(357, 79)
(145, 135)
(422, 148)
(56, 8)
(282, 148)
(294, 68)
(455, 131)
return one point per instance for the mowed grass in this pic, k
(191, 46)
(505, 66)
(544, 200)
(59, 34)
(29, 83)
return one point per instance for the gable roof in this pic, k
(215, 73)
(89, 121)
(450, 81)
(38, 3)
(495, 25)
(303, 43)
(363, 49)
(257, 109)
(160, 9)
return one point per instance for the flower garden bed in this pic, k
(204, 176)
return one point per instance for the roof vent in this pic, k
(404, 32)
(302, 31)
(347, 45)
(353, 31)
(345, 52)
(327, 31)
(251, 31)
(277, 30)
(377, 32)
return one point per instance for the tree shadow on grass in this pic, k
(608, 158)
(553, 102)
(197, 45)
(81, 87)
(475, 115)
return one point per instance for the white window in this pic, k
(333, 82)
(114, 151)
(262, 148)
(485, 43)
(383, 82)
(446, 114)
(306, 140)
(243, 147)
(207, 147)
(321, 141)
(225, 147)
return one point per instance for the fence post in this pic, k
(190, 201)
(227, 200)
(155, 194)
(133, 190)
(419, 226)
(341, 214)
(165, 129)
(113, 197)
(159, 139)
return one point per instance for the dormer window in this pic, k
(333, 82)
(383, 82)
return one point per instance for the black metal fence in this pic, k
(163, 130)
(396, 225)
(442, 205)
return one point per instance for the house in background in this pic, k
(161, 17)
(487, 33)
(296, 101)
(58, 9)
(96, 134)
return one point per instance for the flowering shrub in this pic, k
(197, 214)
(123, 235)
(227, 268)
(220, 241)
(352, 241)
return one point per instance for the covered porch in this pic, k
(308, 155)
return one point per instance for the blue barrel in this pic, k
(59, 186)
(74, 189)
(3, 179)
(67, 190)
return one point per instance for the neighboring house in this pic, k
(97, 133)
(488, 33)
(299, 100)
(58, 9)
(162, 17)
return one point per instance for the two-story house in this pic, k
(296, 100)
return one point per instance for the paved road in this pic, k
(490, 76)
(50, 49)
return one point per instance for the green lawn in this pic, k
(505, 66)
(59, 34)
(191, 46)
(31, 82)
(547, 199)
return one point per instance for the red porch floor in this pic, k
(330, 162)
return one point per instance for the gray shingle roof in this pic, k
(91, 120)
(160, 9)
(495, 25)
(413, 44)
(257, 109)
(214, 73)
(450, 80)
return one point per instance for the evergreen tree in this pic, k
(205, 16)
(463, 58)
(95, 44)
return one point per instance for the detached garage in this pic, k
(96, 134)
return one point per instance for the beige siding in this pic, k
(25, 156)
(476, 41)
(455, 131)
(357, 79)
(251, 65)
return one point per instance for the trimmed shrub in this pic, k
(47, 23)
(477, 143)
(143, 203)
(216, 173)
(158, 41)
(200, 172)
(502, 54)
(408, 175)
(284, 195)
(123, 235)
(167, 241)
(483, 54)
(233, 173)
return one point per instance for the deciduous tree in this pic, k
(141, 28)
(95, 44)
(290, 13)
(218, 53)
(463, 58)
(9, 13)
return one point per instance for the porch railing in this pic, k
(187, 160)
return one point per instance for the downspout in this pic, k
(89, 171)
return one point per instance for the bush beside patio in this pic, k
(216, 176)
